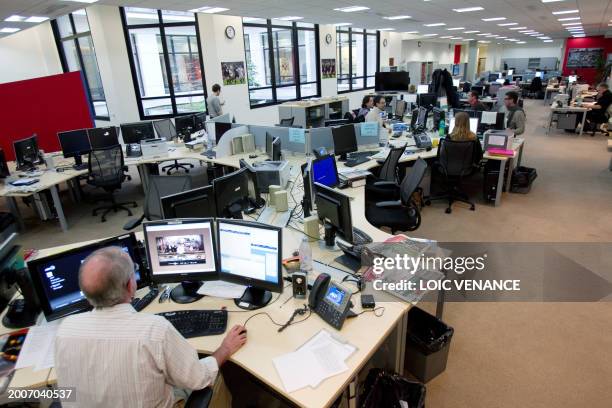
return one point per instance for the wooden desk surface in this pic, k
(309, 104)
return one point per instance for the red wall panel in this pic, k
(44, 106)
(457, 55)
(587, 42)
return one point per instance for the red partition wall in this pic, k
(586, 42)
(44, 106)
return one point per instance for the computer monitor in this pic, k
(75, 143)
(255, 199)
(400, 108)
(184, 125)
(421, 89)
(456, 83)
(269, 140)
(165, 129)
(517, 78)
(182, 250)
(345, 140)
(308, 198)
(510, 72)
(471, 112)
(500, 81)
(324, 171)
(102, 138)
(391, 81)
(250, 254)
(27, 155)
(539, 74)
(56, 277)
(196, 203)
(335, 122)
(276, 149)
(135, 132)
(473, 125)
(199, 121)
(220, 129)
(334, 208)
(427, 100)
(231, 191)
(493, 77)
(497, 124)
(479, 89)
(4, 170)
(572, 78)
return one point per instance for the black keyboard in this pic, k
(141, 303)
(352, 162)
(196, 323)
(363, 154)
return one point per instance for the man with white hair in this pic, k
(116, 357)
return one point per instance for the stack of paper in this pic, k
(38, 348)
(222, 289)
(323, 356)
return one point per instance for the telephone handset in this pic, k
(329, 300)
(133, 150)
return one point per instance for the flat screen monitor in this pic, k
(196, 203)
(473, 125)
(75, 143)
(391, 81)
(471, 112)
(479, 89)
(539, 74)
(493, 77)
(199, 120)
(400, 108)
(517, 78)
(102, 138)
(4, 170)
(334, 208)
(231, 191)
(56, 277)
(220, 129)
(427, 100)
(250, 254)
(27, 155)
(165, 129)
(269, 140)
(572, 78)
(324, 171)
(490, 120)
(421, 89)
(500, 81)
(335, 122)
(456, 83)
(510, 72)
(184, 124)
(345, 140)
(276, 149)
(135, 132)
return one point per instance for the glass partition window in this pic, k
(77, 53)
(166, 61)
(357, 59)
(282, 61)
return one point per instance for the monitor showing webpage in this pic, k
(473, 125)
(422, 89)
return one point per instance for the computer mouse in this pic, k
(243, 331)
(252, 156)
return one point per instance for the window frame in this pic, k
(74, 37)
(161, 25)
(365, 75)
(269, 26)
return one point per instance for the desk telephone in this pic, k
(133, 150)
(422, 141)
(330, 300)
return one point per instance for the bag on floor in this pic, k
(389, 390)
(522, 179)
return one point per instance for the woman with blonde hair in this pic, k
(462, 132)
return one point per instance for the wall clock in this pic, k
(385, 42)
(328, 38)
(230, 32)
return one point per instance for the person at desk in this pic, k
(515, 117)
(375, 114)
(116, 357)
(367, 104)
(214, 102)
(599, 108)
(475, 104)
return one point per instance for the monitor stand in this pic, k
(253, 298)
(186, 292)
(78, 163)
(343, 157)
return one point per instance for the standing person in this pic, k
(214, 102)
(515, 117)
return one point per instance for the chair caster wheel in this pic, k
(427, 202)
(186, 171)
(135, 205)
(448, 211)
(472, 208)
(103, 220)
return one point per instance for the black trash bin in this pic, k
(389, 390)
(427, 344)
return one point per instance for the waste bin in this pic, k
(386, 389)
(427, 344)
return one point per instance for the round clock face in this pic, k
(230, 32)
(385, 42)
(328, 38)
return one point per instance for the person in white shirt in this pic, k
(375, 113)
(116, 357)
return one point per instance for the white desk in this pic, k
(567, 109)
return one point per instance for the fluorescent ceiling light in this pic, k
(579, 36)
(468, 9)
(499, 38)
(570, 24)
(83, 1)
(9, 30)
(386, 29)
(507, 24)
(565, 12)
(15, 18)
(397, 17)
(492, 36)
(544, 38)
(551, 1)
(468, 39)
(411, 32)
(289, 18)
(342, 24)
(429, 35)
(455, 28)
(484, 41)
(568, 19)
(351, 9)
(517, 28)
(446, 36)
(494, 19)
(36, 19)
(483, 34)
(548, 40)
(527, 31)
(434, 24)
(209, 10)
(471, 32)
(575, 29)
(521, 42)
(456, 38)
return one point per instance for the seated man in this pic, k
(599, 108)
(475, 104)
(515, 117)
(376, 113)
(116, 357)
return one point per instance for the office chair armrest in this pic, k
(381, 161)
(390, 184)
(199, 398)
(133, 223)
(389, 204)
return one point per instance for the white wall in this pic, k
(28, 54)
(428, 51)
(543, 50)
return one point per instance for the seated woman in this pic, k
(462, 133)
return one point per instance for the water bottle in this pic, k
(442, 128)
(305, 256)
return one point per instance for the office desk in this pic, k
(489, 101)
(550, 90)
(567, 109)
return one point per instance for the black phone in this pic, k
(133, 150)
(330, 300)
(422, 141)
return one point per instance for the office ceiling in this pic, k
(595, 15)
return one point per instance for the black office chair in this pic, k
(535, 89)
(199, 398)
(165, 130)
(158, 187)
(403, 214)
(107, 171)
(287, 121)
(455, 162)
(377, 186)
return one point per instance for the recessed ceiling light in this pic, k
(521, 42)
(527, 31)
(456, 38)
(446, 36)
(484, 41)
(434, 24)
(570, 24)
(494, 19)
(548, 41)
(468, 39)
(397, 17)
(483, 34)
(289, 18)
(9, 30)
(575, 29)
(342, 24)
(83, 1)
(429, 35)
(517, 28)
(544, 38)
(468, 9)
(507, 24)
(209, 10)
(455, 28)
(565, 12)
(411, 32)
(351, 9)
(15, 18)
(36, 19)
(471, 32)
(568, 19)
(499, 37)
(386, 29)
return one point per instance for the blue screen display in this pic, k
(335, 295)
(324, 171)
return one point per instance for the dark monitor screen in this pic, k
(324, 171)
(269, 140)
(517, 78)
(184, 124)
(345, 140)
(276, 149)
(102, 138)
(471, 112)
(56, 277)
(391, 81)
(74, 142)
(427, 99)
(335, 122)
(478, 90)
(165, 129)
(230, 192)
(199, 120)
(400, 108)
(493, 77)
(135, 132)
(4, 170)
(220, 129)
(196, 203)
(26, 152)
(335, 208)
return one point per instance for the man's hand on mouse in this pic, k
(233, 341)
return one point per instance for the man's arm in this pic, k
(519, 120)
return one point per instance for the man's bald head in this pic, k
(104, 277)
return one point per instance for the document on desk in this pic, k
(221, 289)
(38, 348)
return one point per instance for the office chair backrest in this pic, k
(456, 157)
(536, 84)
(388, 172)
(165, 129)
(412, 180)
(161, 186)
(287, 121)
(106, 166)
(493, 89)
